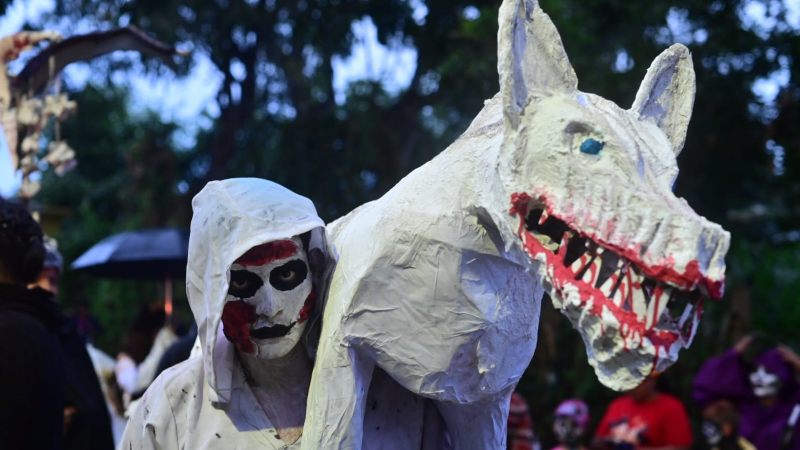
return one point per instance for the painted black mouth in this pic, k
(271, 332)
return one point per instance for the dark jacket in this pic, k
(90, 425)
(31, 370)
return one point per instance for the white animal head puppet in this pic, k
(591, 186)
(249, 280)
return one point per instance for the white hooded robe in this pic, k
(204, 402)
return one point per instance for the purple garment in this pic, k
(727, 377)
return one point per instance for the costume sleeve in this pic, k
(152, 424)
(724, 376)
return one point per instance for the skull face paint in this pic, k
(269, 299)
(764, 383)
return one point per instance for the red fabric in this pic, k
(520, 425)
(663, 420)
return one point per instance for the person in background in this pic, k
(148, 338)
(644, 418)
(765, 391)
(87, 425)
(721, 427)
(569, 426)
(520, 425)
(31, 367)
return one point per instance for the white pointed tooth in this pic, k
(579, 263)
(622, 291)
(652, 314)
(639, 302)
(687, 313)
(663, 302)
(543, 217)
(591, 273)
(659, 300)
(607, 285)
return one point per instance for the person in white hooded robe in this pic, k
(257, 269)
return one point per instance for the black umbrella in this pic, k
(153, 254)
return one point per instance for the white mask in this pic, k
(269, 299)
(764, 383)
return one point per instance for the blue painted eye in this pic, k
(592, 146)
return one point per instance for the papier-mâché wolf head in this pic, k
(590, 191)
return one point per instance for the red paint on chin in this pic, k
(687, 280)
(308, 307)
(237, 316)
(266, 253)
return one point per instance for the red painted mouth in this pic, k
(647, 302)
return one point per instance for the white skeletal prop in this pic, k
(27, 107)
(438, 283)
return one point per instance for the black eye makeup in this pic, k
(244, 284)
(289, 275)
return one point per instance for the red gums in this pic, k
(266, 253)
(237, 316)
(308, 307)
(665, 272)
(629, 324)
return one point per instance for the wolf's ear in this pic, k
(530, 57)
(666, 95)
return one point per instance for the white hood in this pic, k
(230, 217)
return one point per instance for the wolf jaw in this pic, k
(590, 279)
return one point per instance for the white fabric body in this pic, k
(439, 282)
(176, 413)
(104, 368)
(205, 402)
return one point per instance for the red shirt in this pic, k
(658, 422)
(520, 425)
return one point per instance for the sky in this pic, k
(189, 101)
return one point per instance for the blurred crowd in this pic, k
(62, 392)
(746, 398)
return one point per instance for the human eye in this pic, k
(289, 275)
(244, 284)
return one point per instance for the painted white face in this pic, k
(764, 383)
(269, 299)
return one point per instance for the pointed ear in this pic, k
(666, 95)
(531, 58)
